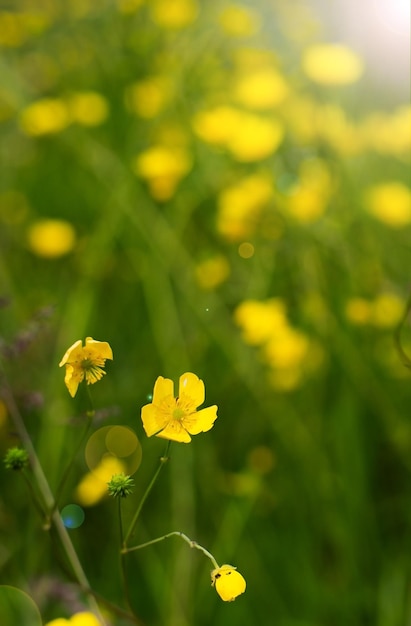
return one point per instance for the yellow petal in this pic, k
(175, 432)
(100, 349)
(201, 421)
(193, 387)
(73, 352)
(150, 418)
(73, 378)
(163, 387)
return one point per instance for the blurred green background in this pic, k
(220, 188)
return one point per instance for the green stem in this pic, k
(123, 569)
(163, 461)
(175, 533)
(49, 503)
(66, 473)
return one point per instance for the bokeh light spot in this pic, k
(121, 441)
(115, 442)
(72, 516)
(246, 250)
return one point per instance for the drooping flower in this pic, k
(228, 582)
(177, 418)
(85, 362)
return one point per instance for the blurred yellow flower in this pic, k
(217, 125)
(228, 582)
(389, 133)
(256, 138)
(88, 108)
(177, 418)
(212, 272)
(84, 618)
(163, 168)
(85, 363)
(387, 310)
(332, 64)
(287, 348)
(43, 117)
(174, 15)
(149, 97)
(261, 89)
(390, 202)
(309, 198)
(51, 238)
(358, 311)
(17, 27)
(239, 21)
(286, 379)
(241, 205)
(259, 321)
(93, 486)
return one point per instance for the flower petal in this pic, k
(201, 421)
(153, 420)
(99, 349)
(193, 387)
(163, 387)
(72, 353)
(73, 378)
(175, 432)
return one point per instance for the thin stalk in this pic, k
(163, 461)
(67, 471)
(49, 502)
(175, 533)
(123, 569)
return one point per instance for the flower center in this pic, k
(178, 414)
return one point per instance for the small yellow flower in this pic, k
(85, 362)
(228, 582)
(177, 418)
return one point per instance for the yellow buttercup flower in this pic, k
(177, 418)
(332, 64)
(84, 618)
(85, 363)
(228, 582)
(51, 238)
(390, 202)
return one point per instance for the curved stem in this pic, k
(174, 533)
(163, 461)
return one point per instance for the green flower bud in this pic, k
(16, 459)
(120, 485)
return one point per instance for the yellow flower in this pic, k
(177, 418)
(162, 167)
(240, 206)
(174, 15)
(85, 362)
(261, 89)
(255, 138)
(332, 64)
(84, 618)
(238, 21)
(88, 108)
(228, 582)
(43, 117)
(390, 202)
(51, 238)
